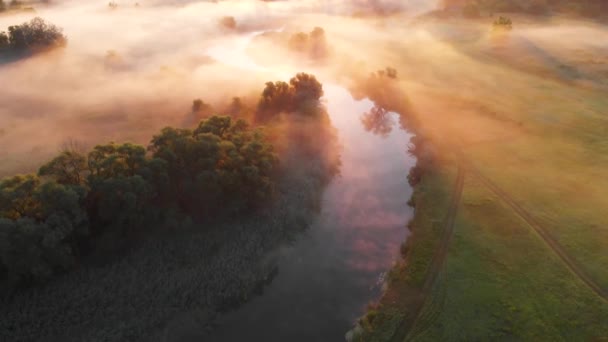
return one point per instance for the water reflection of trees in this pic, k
(378, 121)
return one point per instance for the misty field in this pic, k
(524, 115)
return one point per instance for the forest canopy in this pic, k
(98, 201)
(221, 167)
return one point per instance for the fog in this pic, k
(124, 74)
(128, 71)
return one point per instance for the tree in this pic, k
(217, 125)
(122, 186)
(119, 205)
(318, 47)
(313, 44)
(39, 226)
(302, 95)
(115, 160)
(378, 121)
(67, 168)
(306, 88)
(17, 197)
(4, 42)
(276, 97)
(222, 166)
(35, 34)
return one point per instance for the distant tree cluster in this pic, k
(32, 36)
(48, 221)
(384, 89)
(387, 72)
(301, 94)
(313, 44)
(503, 24)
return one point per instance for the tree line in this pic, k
(80, 202)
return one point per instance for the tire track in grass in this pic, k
(541, 230)
(430, 305)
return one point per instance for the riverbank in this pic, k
(394, 314)
(525, 259)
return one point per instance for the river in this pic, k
(327, 277)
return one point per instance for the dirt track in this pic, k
(542, 231)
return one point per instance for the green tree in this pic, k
(115, 160)
(276, 97)
(4, 42)
(17, 198)
(221, 166)
(306, 89)
(40, 226)
(67, 168)
(120, 205)
(236, 107)
(299, 42)
(302, 94)
(35, 34)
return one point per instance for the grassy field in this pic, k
(528, 259)
(501, 281)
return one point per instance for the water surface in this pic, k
(328, 276)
